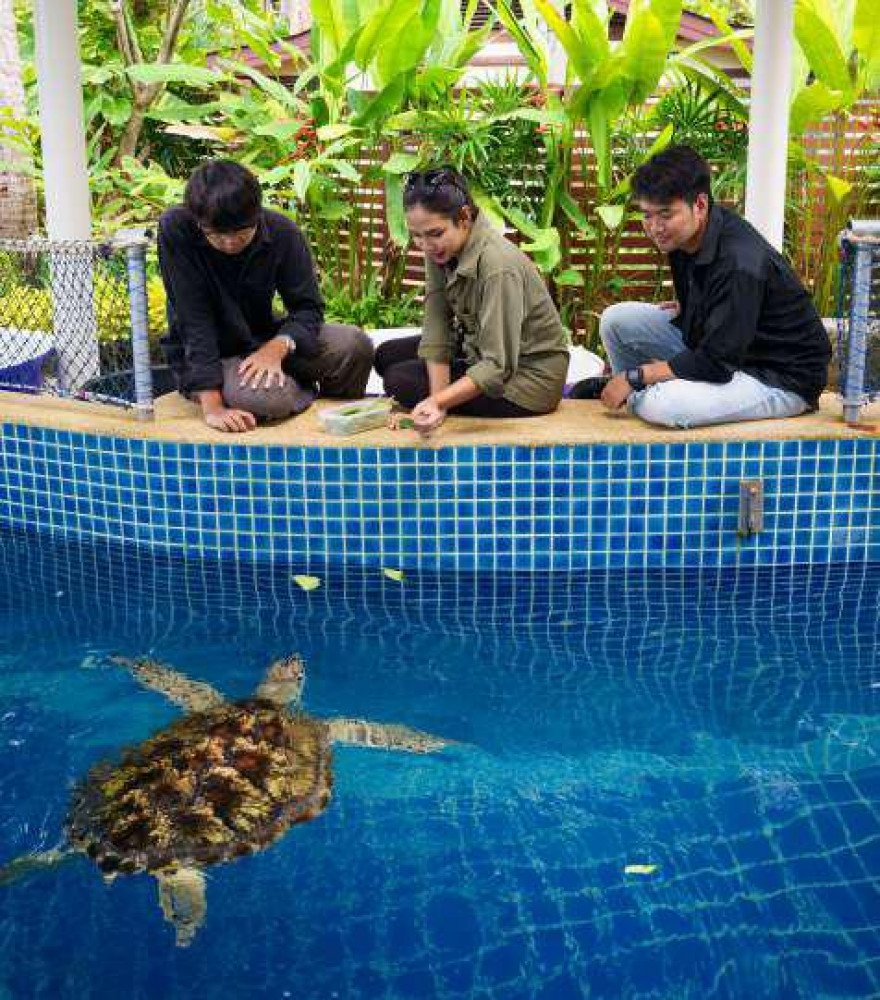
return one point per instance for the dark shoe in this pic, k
(589, 388)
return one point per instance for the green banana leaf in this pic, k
(866, 38)
(816, 35)
(394, 214)
(383, 28)
(651, 27)
(377, 108)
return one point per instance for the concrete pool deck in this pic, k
(575, 422)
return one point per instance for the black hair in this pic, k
(674, 172)
(442, 190)
(224, 195)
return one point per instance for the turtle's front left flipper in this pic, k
(384, 736)
(33, 864)
(182, 898)
(194, 696)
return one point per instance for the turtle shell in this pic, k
(211, 787)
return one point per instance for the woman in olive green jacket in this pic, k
(492, 343)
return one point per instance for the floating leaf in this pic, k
(307, 582)
(393, 574)
(639, 869)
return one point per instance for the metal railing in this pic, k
(858, 316)
(74, 319)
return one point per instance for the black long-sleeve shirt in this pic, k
(744, 309)
(220, 305)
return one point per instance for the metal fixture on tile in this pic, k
(751, 508)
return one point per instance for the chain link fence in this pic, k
(858, 312)
(76, 319)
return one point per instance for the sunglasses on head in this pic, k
(433, 180)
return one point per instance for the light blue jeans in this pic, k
(635, 333)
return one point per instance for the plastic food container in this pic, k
(352, 418)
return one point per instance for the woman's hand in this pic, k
(263, 367)
(427, 416)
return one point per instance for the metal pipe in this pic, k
(135, 243)
(857, 341)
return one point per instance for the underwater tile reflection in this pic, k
(661, 784)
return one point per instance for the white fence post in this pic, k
(65, 174)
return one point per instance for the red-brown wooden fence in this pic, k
(847, 147)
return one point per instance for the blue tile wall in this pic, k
(495, 507)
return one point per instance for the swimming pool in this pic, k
(718, 729)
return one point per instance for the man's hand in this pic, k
(230, 421)
(263, 367)
(427, 416)
(616, 393)
(217, 414)
(672, 307)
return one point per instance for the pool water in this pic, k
(719, 731)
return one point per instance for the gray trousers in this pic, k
(341, 369)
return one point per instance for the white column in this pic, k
(768, 119)
(62, 128)
(66, 181)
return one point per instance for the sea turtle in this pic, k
(225, 780)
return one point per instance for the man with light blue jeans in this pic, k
(742, 341)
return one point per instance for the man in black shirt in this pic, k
(223, 259)
(742, 341)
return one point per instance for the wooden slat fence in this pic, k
(636, 270)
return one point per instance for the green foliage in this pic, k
(312, 139)
(701, 114)
(490, 135)
(26, 308)
(370, 309)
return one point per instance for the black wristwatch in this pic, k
(636, 378)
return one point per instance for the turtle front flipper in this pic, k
(182, 898)
(284, 681)
(33, 864)
(194, 696)
(384, 736)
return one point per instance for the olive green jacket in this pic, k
(494, 299)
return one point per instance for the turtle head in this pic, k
(284, 680)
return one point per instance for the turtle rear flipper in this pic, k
(182, 898)
(194, 696)
(384, 736)
(33, 864)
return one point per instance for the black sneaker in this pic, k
(589, 388)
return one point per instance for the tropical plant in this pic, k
(837, 64)
(370, 309)
(707, 116)
(488, 133)
(27, 308)
(605, 81)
